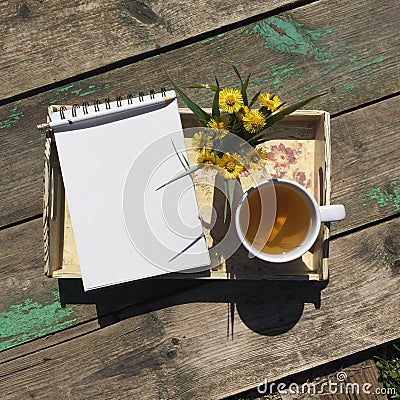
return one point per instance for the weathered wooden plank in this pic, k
(365, 164)
(368, 186)
(181, 349)
(30, 303)
(96, 33)
(353, 71)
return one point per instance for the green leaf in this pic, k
(265, 111)
(263, 134)
(215, 106)
(293, 137)
(274, 118)
(202, 86)
(229, 185)
(181, 157)
(254, 99)
(255, 140)
(200, 114)
(236, 71)
(182, 174)
(244, 90)
(231, 190)
(226, 199)
(393, 374)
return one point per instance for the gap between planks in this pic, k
(158, 51)
(364, 105)
(333, 116)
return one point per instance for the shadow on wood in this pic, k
(266, 307)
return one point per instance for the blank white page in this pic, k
(112, 165)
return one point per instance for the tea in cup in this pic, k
(279, 220)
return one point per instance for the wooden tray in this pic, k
(304, 158)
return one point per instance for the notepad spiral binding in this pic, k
(107, 101)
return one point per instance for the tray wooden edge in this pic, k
(54, 210)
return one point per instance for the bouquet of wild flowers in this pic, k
(233, 112)
(232, 134)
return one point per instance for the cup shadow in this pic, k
(266, 307)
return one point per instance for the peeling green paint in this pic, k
(256, 81)
(384, 197)
(306, 90)
(126, 18)
(376, 61)
(39, 136)
(280, 73)
(82, 91)
(288, 36)
(12, 118)
(349, 86)
(330, 69)
(30, 320)
(87, 93)
(66, 88)
(349, 66)
(205, 41)
(353, 58)
(291, 37)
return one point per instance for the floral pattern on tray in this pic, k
(291, 160)
(287, 159)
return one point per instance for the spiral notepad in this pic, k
(114, 155)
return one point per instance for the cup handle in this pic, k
(332, 213)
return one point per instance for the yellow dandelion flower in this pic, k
(219, 123)
(263, 153)
(221, 126)
(230, 100)
(271, 104)
(256, 159)
(242, 112)
(253, 121)
(202, 140)
(230, 166)
(208, 158)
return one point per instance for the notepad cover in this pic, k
(124, 228)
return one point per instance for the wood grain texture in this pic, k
(57, 40)
(177, 339)
(354, 71)
(366, 164)
(26, 295)
(181, 350)
(363, 168)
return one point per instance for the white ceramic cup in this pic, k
(318, 214)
